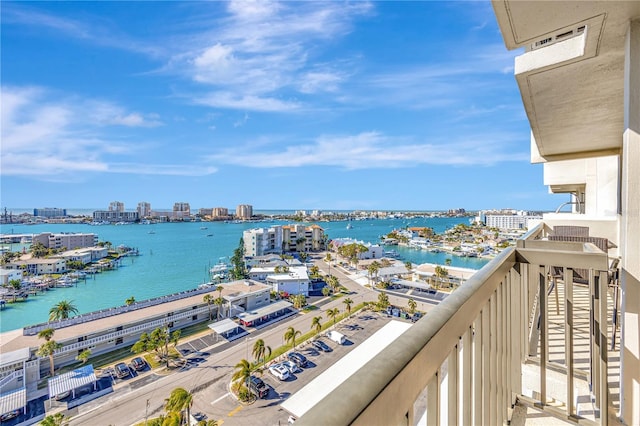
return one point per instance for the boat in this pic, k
(349, 226)
(219, 271)
(209, 235)
(203, 227)
(151, 232)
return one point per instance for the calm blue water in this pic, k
(177, 257)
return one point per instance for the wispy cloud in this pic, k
(374, 150)
(47, 134)
(95, 31)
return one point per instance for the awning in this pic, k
(13, 400)
(223, 326)
(71, 380)
(251, 316)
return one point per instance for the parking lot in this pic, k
(215, 402)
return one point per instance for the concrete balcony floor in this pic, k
(556, 372)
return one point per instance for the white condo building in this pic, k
(244, 211)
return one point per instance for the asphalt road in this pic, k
(137, 398)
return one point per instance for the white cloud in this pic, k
(45, 134)
(373, 150)
(246, 102)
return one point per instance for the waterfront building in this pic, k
(500, 348)
(68, 240)
(116, 206)
(510, 219)
(220, 213)
(84, 255)
(301, 238)
(183, 208)
(7, 275)
(205, 212)
(115, 328)
(267, 260)
(114, 216)
(144, 209)
(262, 241)
(374, 251)
(244, 212)
(50, 212)
(38, 266)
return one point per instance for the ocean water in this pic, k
(177, 257)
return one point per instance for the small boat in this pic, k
(203, 227)
(349, 226)
(151, 232)
(209, 235)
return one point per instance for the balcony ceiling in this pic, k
(574, 105)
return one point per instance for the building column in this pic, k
(630, 233)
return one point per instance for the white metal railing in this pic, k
(10, 377)
(463, 362)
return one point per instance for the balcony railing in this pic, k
(466, 361)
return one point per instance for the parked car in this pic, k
(279, 371)
(122, 370)
(10, 415)
(321, 346)
(292, 366)
(63, 395)
(258, 387)
(298, 358)
(138, 363)
(416, 316)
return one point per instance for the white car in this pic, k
(280, 371)
(291, 366)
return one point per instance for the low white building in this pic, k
(7, 275)
(295, 281)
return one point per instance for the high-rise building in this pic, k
(244, 211)
(49, 212)
(220, 213)
(116, 206)
(144, 209)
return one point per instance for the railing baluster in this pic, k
(595, 338)
(568, 337)
(518, 325)
(477, 371)
(542, 302)
(505, 350)
(452, 387)
(466, 394)
(433, 400)
(499, 356)
(493, 362)
(486, 362)
(603, 355)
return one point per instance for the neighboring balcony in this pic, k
(530, 338)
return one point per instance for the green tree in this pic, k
(372, 270)
(208, 299)
(412, 305)
(290, 336)
(383, 300)
(409, 266)
(238, 269)
(130, 301)
(326, 291)
(38, 250)
(83, 356)
(57, 419)
(299, 300)
(333, 313)
(180, 400)
(316, 324)
(242, 373)
(46, 334)
(348, 302)
(260, 351)
(48, 349)
(16, 285)
(441, 274)
(219, 301)
(62, 310)
(447, 261)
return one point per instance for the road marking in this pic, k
(235, 410)
(221, 398)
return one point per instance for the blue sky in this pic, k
(291, 105)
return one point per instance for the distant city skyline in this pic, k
(283, 105)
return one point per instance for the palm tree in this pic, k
(383, 300)
(242, 373)
(130, 301)
(179, 400)
(208, 299)
(412, 305)
(333, 313)
(62, 310)
(219, 301)
(348, 302)
(83, 356)
(290, 336)
(57, 419)
(16, 284)
(373, 269)
(219, 289)
(46, 334)
(48, 349)
(260, 350)
(316, 324)
(408, 265)
(326, 291)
